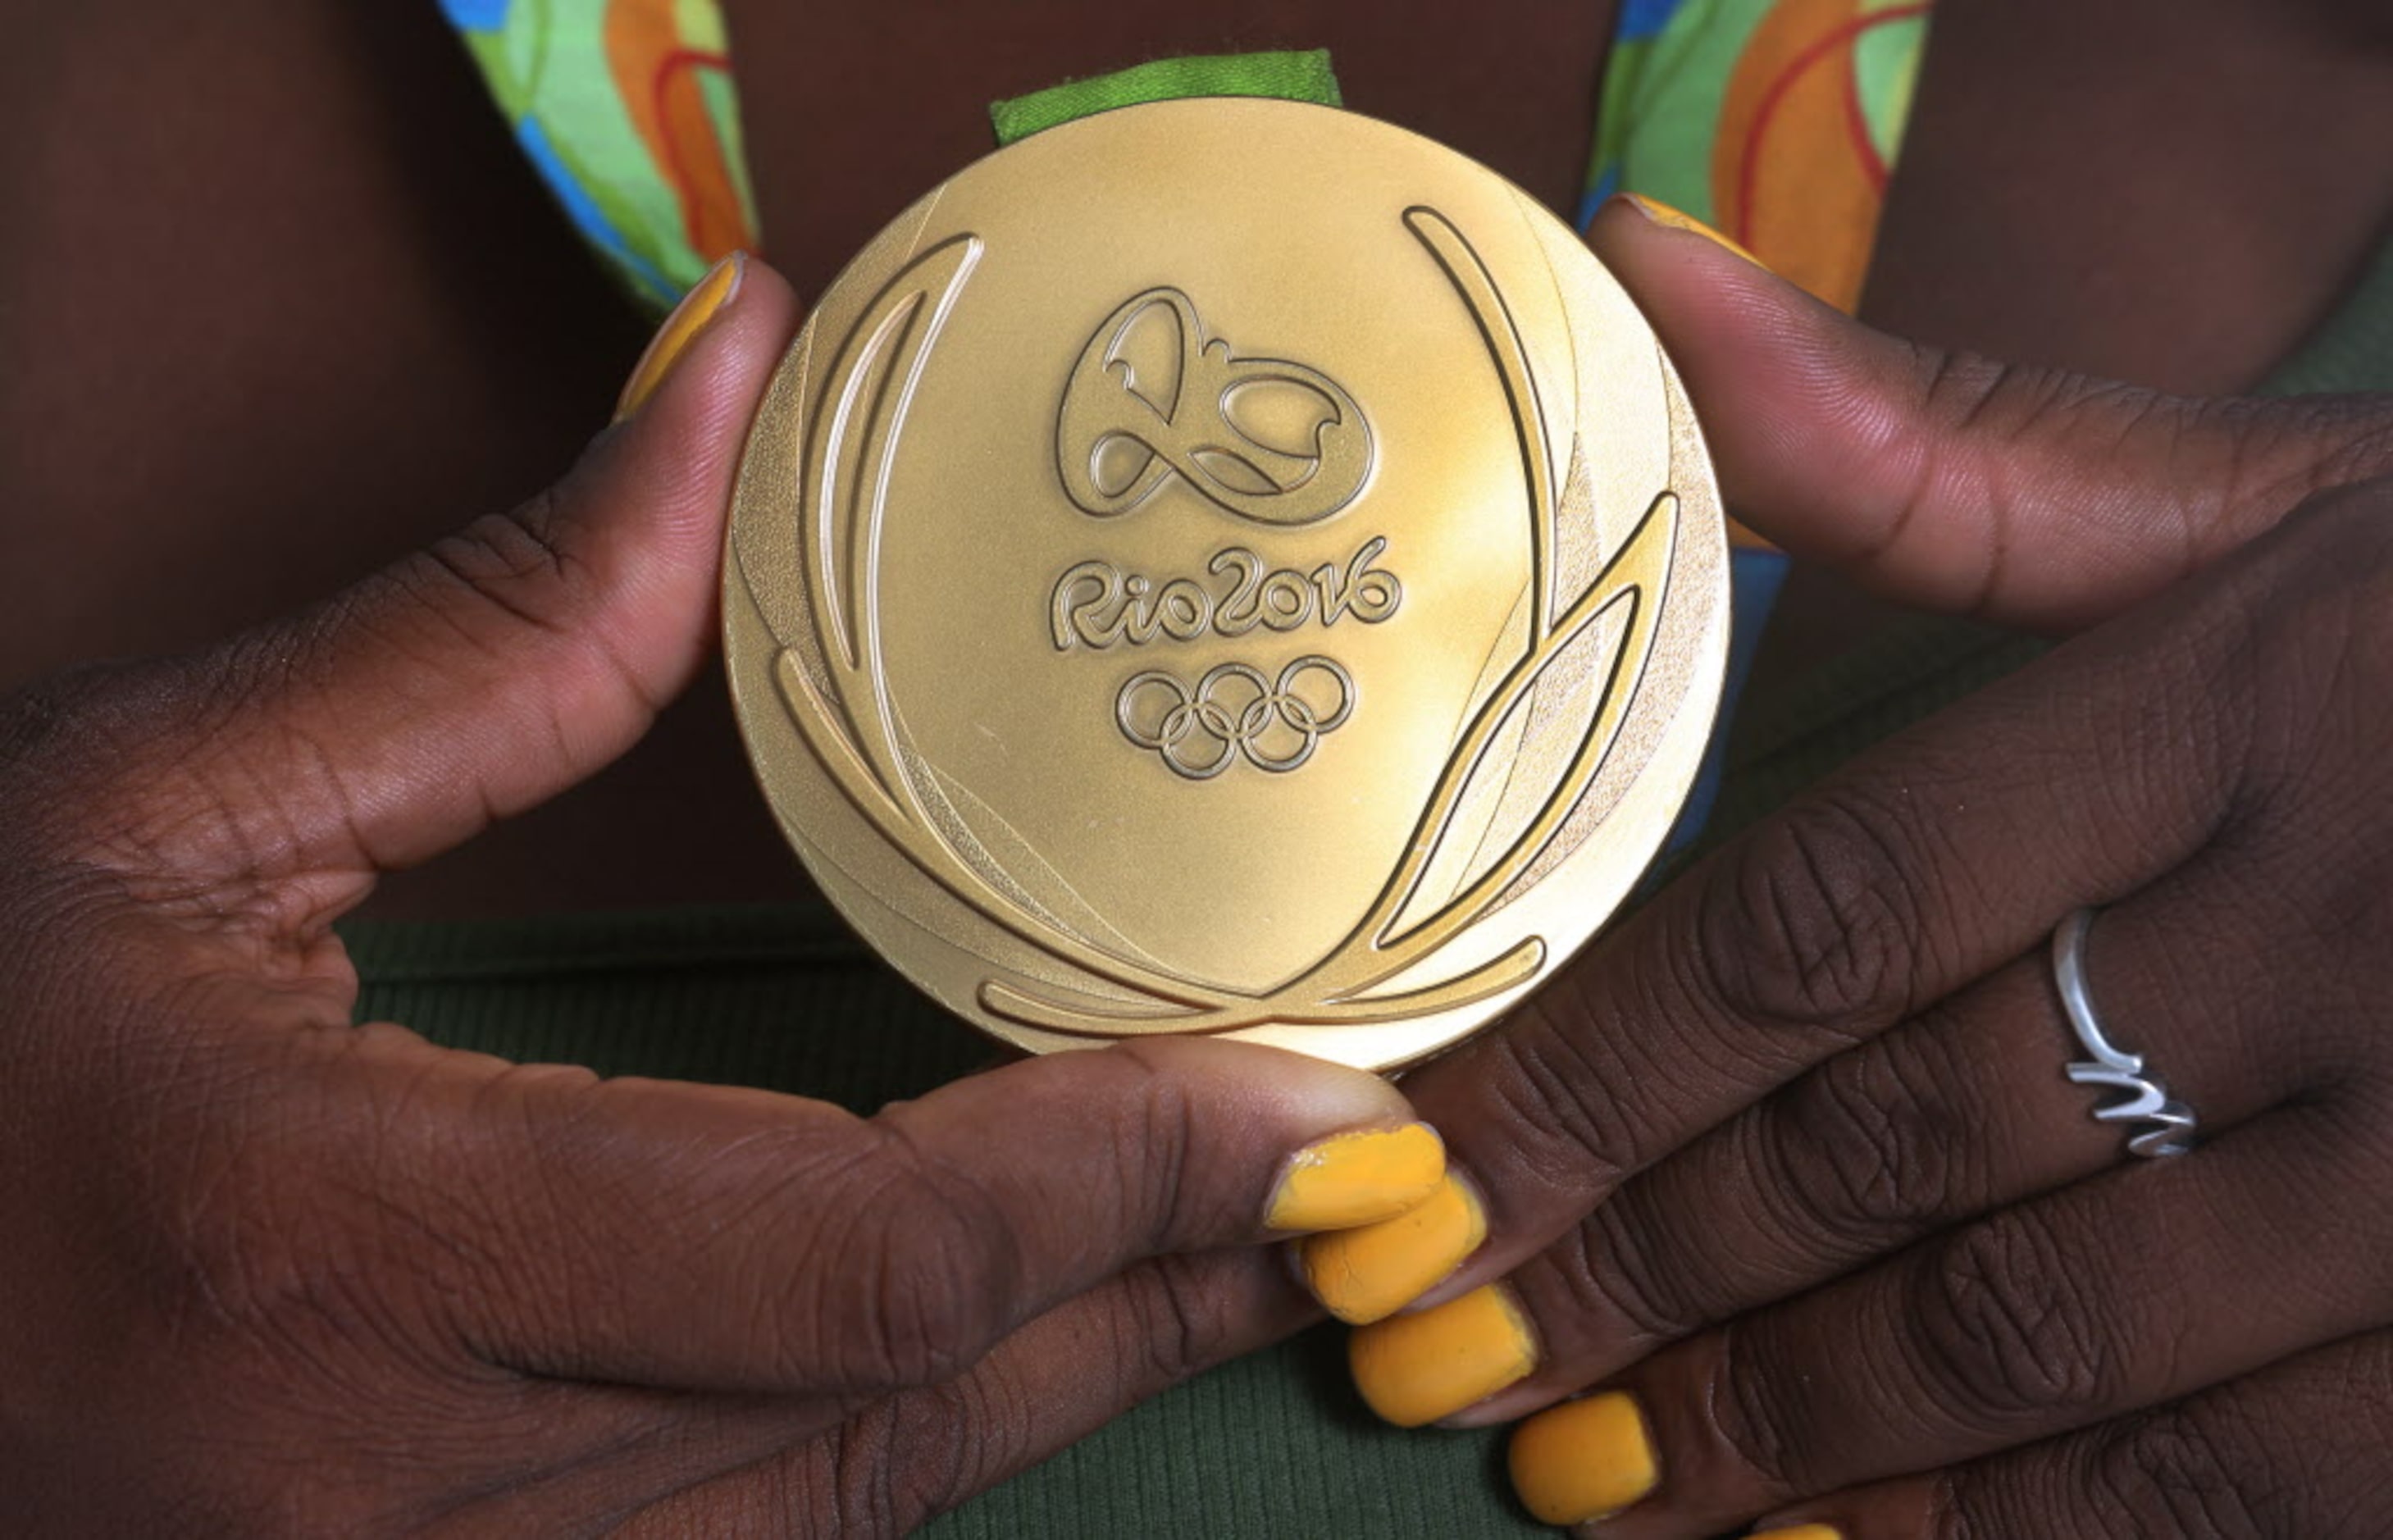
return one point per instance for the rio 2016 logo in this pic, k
(1153, 399)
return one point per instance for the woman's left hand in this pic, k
(1787, 1172)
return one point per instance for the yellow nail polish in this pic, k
(1414, 1369)
(1373, 1270)
(1670, 218)
(1584, 1459)
(1799, 1532)
(1357, 1178)
(701, 304)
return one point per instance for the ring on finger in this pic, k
(2168, 1124)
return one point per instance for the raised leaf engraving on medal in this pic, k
(1153, 399)
(1575, 665)
(1096, 604)
(1235, 709)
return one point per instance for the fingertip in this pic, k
(1375, 1270)
(682, 325)
(1629, 212)
(1358, 1177)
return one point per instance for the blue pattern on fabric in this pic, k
(1646, 17)
(480, 16)
(585, 213)
(1754, 579)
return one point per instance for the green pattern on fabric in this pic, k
(1297, 76)
(627, 109)
(2354, 349)
(1662, 101)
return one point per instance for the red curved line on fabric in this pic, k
(1776, 97)
(668, 68)
(1857, 127)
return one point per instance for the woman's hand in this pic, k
(268, 1272)
(1787, 1168)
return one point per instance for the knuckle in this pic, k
(2311, 647)
(1807, 925)
(909, 1458)
(1148, 1186)
(1553, 1081)
(2287, 451)
(1988, 1502)
(1177, 1325)
(2010, 1334)
(2169, 1474)
(855, 1492)
(1755, 1415)
(2344, 543)
(917, 1302)
(1865, 1155)
(1611, 1270)
(515, 563)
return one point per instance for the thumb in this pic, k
(2029, 496)
(700, 1236)
(480, 676)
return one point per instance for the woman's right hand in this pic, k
(270, 1271)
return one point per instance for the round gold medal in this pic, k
(1226, 567)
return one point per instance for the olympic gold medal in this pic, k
(1226, 567)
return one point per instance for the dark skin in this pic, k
(428, 297)
(355, 1284)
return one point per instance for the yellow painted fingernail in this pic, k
(1414, 1369)
(701, 304)
(1373, 1270)
(1799, 1532)
(1670, 218)
(1584, 1459)
(1352, 1178)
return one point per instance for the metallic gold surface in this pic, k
(1229, 566)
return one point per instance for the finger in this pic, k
(1050, 1384)
(467, 681)
(1961, 1112)
(710, 1238)
(1916, 872)
(2117, 1295)
(2028, 496)
(2295, 1452)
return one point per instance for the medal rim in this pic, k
(884, 928)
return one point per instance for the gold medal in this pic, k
(1226, 567)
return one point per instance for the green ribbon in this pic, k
(1295, 76)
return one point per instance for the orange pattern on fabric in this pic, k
(663, 93)
(1796, 176)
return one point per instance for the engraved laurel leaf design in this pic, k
(1341, 986)
(832, 678)
(844, 713)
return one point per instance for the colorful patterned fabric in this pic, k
(1776, 122)
(627, 109)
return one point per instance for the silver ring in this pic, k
(2146, 1100)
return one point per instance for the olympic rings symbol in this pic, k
(1235, 709)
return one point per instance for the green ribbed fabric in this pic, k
(1276, 1445)
(2352, 351)
(1297, 76)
